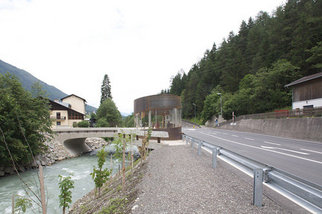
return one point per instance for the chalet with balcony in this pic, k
(307, 92)
(67, 111)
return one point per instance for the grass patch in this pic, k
(117, 205)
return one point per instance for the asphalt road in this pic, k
(298, 157)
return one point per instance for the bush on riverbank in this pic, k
(24, 123)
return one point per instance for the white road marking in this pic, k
(311, 151)
(272, 143)
(288, 150)
(249, 138)
(269, 150)
(234, 135)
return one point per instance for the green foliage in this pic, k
(65, 197)
(118, 145)
(102, 122)
(117, 205)
(83, 123)
(37, 91)
(22, 204)
(178, 83)
(286, 44)
(108, 114)
(23, 119)
(106, 89)
(100, 175)
(129, 121)
(316, 56)
(263, 91)
(211, 105)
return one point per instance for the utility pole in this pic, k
(220, 104)
(195, 109)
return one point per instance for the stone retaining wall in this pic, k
(299, 128)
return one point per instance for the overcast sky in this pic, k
(140, 44)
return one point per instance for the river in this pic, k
(79, 168)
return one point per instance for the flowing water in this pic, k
(79, 168)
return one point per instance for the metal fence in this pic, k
(304, 193)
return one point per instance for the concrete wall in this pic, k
(300, 128)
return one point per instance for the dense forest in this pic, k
(250, 69)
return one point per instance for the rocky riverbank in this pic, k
(56, 152)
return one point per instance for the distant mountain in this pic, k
(27, 80)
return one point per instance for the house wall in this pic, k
(63, 118)
(76, 103)
(317, 103)
(308, 90)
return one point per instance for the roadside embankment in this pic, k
(56, 152)
(174, 179)
(113, 198)
(177, 180)
(299, 128)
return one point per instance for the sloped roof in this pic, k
(73, 95)
(305, 79)
(58, 106)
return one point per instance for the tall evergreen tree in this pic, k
(106, 89)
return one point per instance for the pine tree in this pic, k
(106, 89)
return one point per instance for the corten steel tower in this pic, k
(161, 112)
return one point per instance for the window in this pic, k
(58, 123)
(58, 115)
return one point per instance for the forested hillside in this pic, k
(251, 67)
(27, 80)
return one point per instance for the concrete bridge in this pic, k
(73, 139)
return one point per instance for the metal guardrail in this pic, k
(304, 193)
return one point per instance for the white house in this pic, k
(67, 111)
(307, 92)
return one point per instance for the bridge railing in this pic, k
(113, 130)
(304, 193)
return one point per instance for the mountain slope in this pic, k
(27, 80)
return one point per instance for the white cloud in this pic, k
(140, 44)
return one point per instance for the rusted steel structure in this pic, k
(161, 112)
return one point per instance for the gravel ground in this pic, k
(177, 180)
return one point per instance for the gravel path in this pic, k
(177, 180)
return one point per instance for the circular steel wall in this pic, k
(160, 102)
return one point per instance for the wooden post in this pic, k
(131, 151)
(112, 162)
(13, 203)
(123, 165)
(42, 189)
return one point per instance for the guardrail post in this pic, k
(214, 157)
(191, 143)
(258, 187)
(199, 148)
